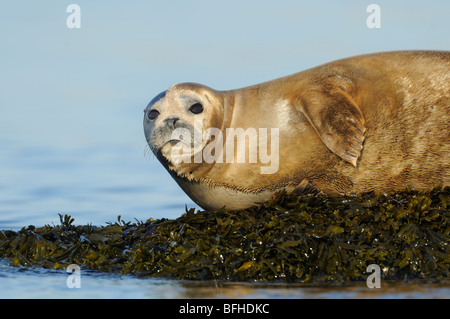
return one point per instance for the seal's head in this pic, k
(175, 120)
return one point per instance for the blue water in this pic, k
(41, 283)
(71, 103)
(92, 184)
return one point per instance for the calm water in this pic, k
(93, 184)
(39, 283)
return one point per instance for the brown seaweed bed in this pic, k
(288, 239)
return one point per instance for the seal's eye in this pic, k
(196, 108)
(153, 114)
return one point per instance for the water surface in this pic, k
(23, 282)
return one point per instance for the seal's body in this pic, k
(375, 122)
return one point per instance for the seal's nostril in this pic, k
(171, 121)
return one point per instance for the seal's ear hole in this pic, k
(196, 108)
(153, 114)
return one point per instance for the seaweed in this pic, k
(291, 238)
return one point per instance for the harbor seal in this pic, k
(375, 122)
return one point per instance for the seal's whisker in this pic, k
(148, 152)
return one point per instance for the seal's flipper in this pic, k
(337, 119)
